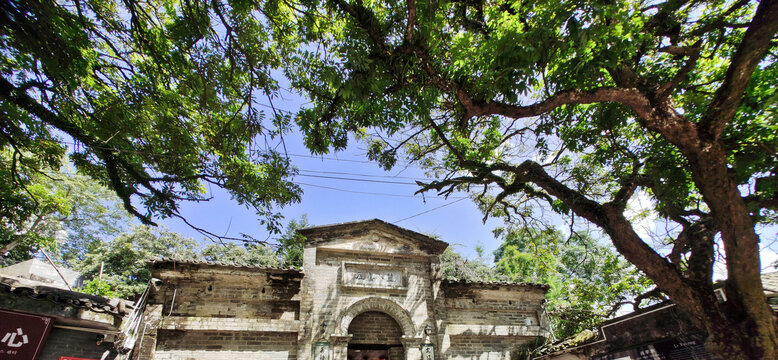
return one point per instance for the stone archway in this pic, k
(376, 307)
(374, 336)
(389, 307)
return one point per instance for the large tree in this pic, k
(580, 106)
(123, 262)
(155, 99)
(589, 282)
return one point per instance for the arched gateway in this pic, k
(374, 336)
(375, 328)
(367, 290)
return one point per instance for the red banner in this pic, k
(22, 335)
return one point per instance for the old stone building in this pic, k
(367, 290)
(42, 321)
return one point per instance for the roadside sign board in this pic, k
(22, 336)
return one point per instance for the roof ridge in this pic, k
(497, 282)
(168, 259)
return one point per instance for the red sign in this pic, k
(22, 335)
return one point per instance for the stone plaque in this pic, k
(373, 276)
(321, 351)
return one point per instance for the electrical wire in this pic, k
(430, 210)
(378, 194)
(366, 175)
(361, 180)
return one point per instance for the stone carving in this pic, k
(427, 352)
(372, 276)
(322, 351)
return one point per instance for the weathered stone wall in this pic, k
(225, 295)
(367, 287)
(482, 347)
(489, 320)
(355, 273)
(222, 312)
(225, 345)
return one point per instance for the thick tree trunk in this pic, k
(744, 327)
(748, 313)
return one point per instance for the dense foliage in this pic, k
(291, 244)
(123, 260)
(589, 282)
(577, 107)
(154, 99)
(454, 266)
(73, 213)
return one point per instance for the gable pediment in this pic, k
(372, 236)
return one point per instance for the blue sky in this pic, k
(328, 198)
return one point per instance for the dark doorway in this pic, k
(368, 352)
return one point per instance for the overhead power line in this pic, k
(378, 194)
(330, 158)
(366, 175)
(361, 180)
(430, 210)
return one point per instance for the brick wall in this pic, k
(223, 313)
(483, 348)
(65, 342)
(374, 327)
(489, 321)
(231, 296)
(225, 345)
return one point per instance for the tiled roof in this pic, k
(590, 336)
(37, 290)
(496, 283)
(158, 261)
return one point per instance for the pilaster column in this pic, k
(412, 347)
(339, 345)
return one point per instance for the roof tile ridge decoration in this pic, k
(435, 244)
(569, 343)
(95, 303)
(170, 260)
(497, 282)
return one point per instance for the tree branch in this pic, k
(755, 42)
(632, 98)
